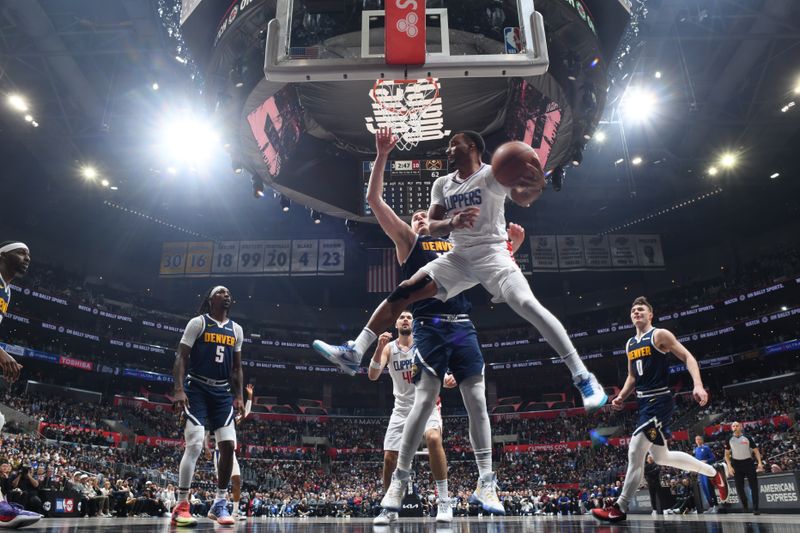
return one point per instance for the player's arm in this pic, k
(237, 376)
(248, 405)
(666, 342)
(193, 330)
(9, 366)
(626, 390)
(731, 471)
(440, 226)
(380, 358)
(397, 230)
(516, 235)
(757, 453)
(528, 189)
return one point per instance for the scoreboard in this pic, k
(406, 183)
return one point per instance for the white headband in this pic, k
(216, 289)
(10, 247)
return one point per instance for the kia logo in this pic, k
(410, 506)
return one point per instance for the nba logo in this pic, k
(513, 40)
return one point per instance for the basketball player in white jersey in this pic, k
(469, 204)
(398, 356)
(236, 472)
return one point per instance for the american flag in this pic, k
(382, 271)
(304, 52)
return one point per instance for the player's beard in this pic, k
(404, 331)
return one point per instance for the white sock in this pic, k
(364, 341)
(441, 488)
(484, 460)
(221, 495)
(637, 452)
(473, 392)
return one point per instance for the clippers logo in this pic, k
(408, 25)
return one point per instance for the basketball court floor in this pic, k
(672, 524)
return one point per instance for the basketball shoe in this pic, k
(486, 495)
(591, 391)
(612, 513)
(393, 499)
(181, 515)
(13, 516)
(385, 518)
(344, 356)
(219, 512)
(444, 511)
(720, 481)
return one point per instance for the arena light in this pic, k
(172, 170)
(658, 74)
(638, 104)
(28, 118)
(285, 204)
(34, 124)
(600, 136)
(728, 160)
(154, 86)
(316, 216)
(188, 139)
(636, 161)
(89, 172)
(105, 183)
(17, 102)
(775, 175)
(712, 171)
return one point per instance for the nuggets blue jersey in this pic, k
(5, 298)
(212, 353)
(425, 250)
(650, 366)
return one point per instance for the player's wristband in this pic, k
(375, 365)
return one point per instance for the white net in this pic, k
(403, 104)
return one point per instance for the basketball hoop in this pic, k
(403, 104)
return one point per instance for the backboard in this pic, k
(339, 40)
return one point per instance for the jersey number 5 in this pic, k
(221, 354)
(639, 367)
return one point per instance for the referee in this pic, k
(739, 451)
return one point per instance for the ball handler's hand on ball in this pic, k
(465, 218)
(616, 403)
(700, 395)
(449, 381)
(385, 141)
(179, 402)
(533, 179)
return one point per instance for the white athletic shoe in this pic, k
(344, 356)
(654, 513)
(444, 511)
(592, 392)
(486, 495)
(393, 499)
(385, 518)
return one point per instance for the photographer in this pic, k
(25, 490)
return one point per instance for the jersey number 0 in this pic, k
(639, 367)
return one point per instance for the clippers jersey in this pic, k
(425, 250)
(212, 352)
(401, 370)
(650, 367)
(478, 190)
(5, 297)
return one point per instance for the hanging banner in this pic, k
(544, 256)
(570, 252)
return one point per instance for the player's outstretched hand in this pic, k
(249, 389)
(617, 402)
(384, 339)
(449, 381)
(9, 367)
(700, 395)
(385, 141)
(179, 402)
(465, 218)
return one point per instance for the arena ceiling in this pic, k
(87, 67)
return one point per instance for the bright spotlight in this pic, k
(18, 103)
(34, 124)
(105, 183)
(638, 104)
(154, 86)
(775, 175)
(600, 136)
(89, 172)
(658, 74)
(728, 160)
(636, 160)
(28, 118)
(188, 140)
(712, 171)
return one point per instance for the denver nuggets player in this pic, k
(398, 356)
(211, 351)
(15, 258)
(445, 339)
(469, 204)
(648, 373)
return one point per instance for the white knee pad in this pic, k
(194, 437)
(226, 433)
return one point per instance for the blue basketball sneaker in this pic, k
(219, 512)
(594, 397)
(344, 356)
(13, 516)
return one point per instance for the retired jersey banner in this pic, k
(304, 257)
(596, 252)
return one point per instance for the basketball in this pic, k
(509, 163)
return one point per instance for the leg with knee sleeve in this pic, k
(473, 392)
(518, 295)
(637, 452)
(194, 436)
(427, 390)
